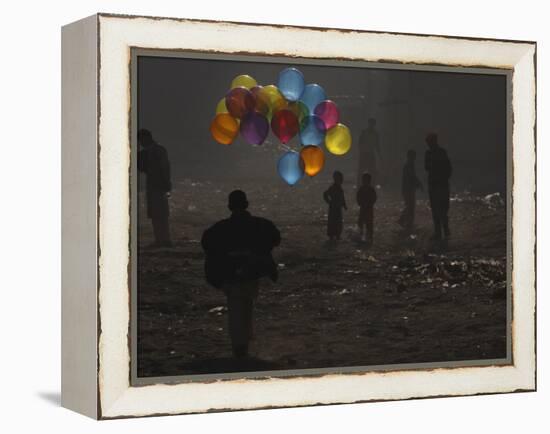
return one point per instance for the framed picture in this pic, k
(260, 216)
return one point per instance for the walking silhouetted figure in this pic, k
(153, 161)
(238, 253)
(334, 196)
(366, 198)
(409, 184)
(369, 152)
(439, 170)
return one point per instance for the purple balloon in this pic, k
(254, 128)
(328, 112)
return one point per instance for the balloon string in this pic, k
(285, 147)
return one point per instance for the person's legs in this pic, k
(441, 207)
(157, 233)
(412, 211)
(402, 220)
(445, 202)
(161, 230)
(236, 309)
(240, 306)
(370, 225)
(362, 167)
(375, 178)
(330, 225)
(408, 212)
(338, 220)
(445, 224)
(339, 228)
(334, 224)
(436, 213)
(360, 224)
(158, 211)
(370, 166)
(248, 309)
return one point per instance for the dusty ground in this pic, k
(403, 300)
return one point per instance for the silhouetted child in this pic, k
(366, 198)
(334, 196)
(409, 184)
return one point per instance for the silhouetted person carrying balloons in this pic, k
(336, 200)
(439, 170)
(366, 198)
(238, 253)
(153, 161)
(369, 152)
(409, 184)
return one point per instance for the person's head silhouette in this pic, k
(366, 178)
(431, 140)
(145, 138)
(237, 201)
(338, 177)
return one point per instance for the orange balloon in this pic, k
(313, 158)
(224, 128)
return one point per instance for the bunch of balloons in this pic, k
(292, 108)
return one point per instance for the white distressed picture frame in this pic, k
(96, 216)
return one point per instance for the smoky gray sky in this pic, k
(177, 98)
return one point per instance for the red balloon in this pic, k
(239, 101)
(285, 125)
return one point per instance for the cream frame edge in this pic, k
(79, 213)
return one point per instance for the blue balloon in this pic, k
(291, 167)
(313, 94)
(291, 83)
(312, 130)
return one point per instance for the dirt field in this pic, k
(403, 300)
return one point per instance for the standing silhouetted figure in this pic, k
(369, 151)
(153, 161)
(409, 184)
(366, 198)
(439, 170)
(334, 196)
(238, 253)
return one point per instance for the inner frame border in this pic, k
(136, 52)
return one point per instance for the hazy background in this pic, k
(177, 99)
(404, 299)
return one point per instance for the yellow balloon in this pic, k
(244, 81)
(338, 139)
(221, 107)
(276, 99)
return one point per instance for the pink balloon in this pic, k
(328, 112)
